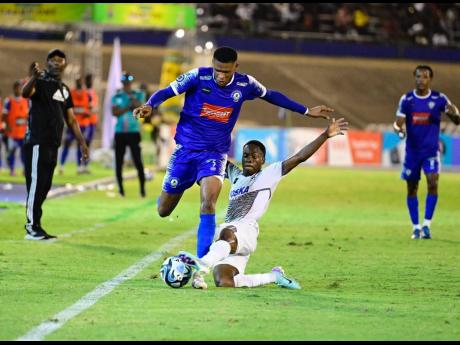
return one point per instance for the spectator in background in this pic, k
(3, 138)
(361, 20)
(343, 20)
(93, 108)
(127, 130)
(245, 13)
(15, 114)
(81, 101)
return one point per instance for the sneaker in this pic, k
(37, 234)
(198, 281)
(426, 233)
(416, 234)
(283, 281)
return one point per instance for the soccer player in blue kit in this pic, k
(213, 99)
(420, 111)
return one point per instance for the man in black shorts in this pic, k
(51, 106)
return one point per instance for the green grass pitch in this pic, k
(344, 234)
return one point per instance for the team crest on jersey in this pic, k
(236, 95)
(174, 182)
(431, 105)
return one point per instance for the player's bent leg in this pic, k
(210, 187)
(224, 275)
(167, 202)
(430, 203)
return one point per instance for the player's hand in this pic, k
(142, 111)
(337, 127)
(399, 130)
(320, 111)
(36, 71)
(84, 153)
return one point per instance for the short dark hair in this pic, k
(55, 52)
(225, 54)
(426, 67)
(258, 144)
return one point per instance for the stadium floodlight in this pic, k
(180, 33)
(198, 49)
(204, 28)
(209, 45)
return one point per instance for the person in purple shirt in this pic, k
(213, 99)
(420, 111)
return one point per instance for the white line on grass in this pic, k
(57, 321)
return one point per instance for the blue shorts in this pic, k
(415, 161)
(187, 167)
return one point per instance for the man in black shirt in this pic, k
(51, 106)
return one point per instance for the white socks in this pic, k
(218, 251)
(427, 222)
(252, 280)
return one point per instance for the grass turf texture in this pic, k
(343, 234)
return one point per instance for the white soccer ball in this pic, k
(175, 273)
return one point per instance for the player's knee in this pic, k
(163, 211)
(208, 207)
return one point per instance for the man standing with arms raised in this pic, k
(51, 107)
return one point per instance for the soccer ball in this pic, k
(175, 273)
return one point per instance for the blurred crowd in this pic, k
(436, 24)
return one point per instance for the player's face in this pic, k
(422, 79)
(223, 71)
(56, 65)
(253, 159)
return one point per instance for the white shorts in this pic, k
(246, 233)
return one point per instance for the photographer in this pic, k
(127, 130)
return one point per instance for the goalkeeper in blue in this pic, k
(419, 117)
(213, 99)
(250, 193)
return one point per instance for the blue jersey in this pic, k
(210, 111)
(423, 119)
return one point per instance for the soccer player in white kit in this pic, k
(251, 191)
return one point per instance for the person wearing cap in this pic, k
(51, 106)
(127, 130)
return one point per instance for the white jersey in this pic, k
(251, 195)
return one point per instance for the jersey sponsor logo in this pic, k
(206, 77)
(180, 78)
(431, 105)
(216, 113)
(420, 118)
(58, 96)
(239, 191)
(236, 95)
(239, 83)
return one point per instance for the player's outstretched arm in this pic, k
(154, 101)
(279, 99)
(335, 128)
(398, 126)
(453, 113)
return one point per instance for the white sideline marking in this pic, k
(57, 321)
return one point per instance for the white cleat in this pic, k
(198, 281)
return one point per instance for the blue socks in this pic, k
(412, 205)
(205, 234)
(430, 205)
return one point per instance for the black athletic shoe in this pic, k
(37, 234)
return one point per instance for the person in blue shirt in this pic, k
(420, 112)
(213, 99)
(127, 130)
